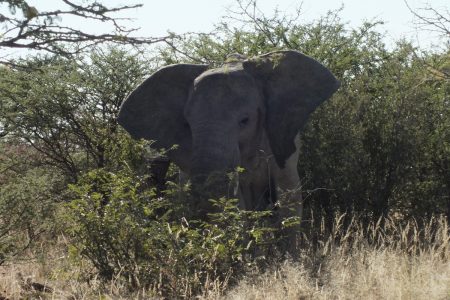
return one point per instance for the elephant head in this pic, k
(245, 113)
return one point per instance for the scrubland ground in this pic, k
(379, 261)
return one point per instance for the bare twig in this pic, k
(432, 19)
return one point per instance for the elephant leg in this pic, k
(290, 199)
(158, 169)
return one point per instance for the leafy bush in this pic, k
(29, 196)
(126, 232)
(27, 208)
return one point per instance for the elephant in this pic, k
(247, 113)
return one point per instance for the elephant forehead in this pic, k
(227, 80)
(226, 70)
(219, 94)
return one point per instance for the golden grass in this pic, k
(63, 285)
(369, 274)
(382, 260)
(397, 262)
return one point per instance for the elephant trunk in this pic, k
(214, 159)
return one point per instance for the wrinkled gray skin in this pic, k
(247, 113)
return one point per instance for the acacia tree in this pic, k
(66, 110)
(59, 120)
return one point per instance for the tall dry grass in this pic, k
(379, 260)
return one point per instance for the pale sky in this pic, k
(156, 17)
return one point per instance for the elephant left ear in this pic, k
(294, 85)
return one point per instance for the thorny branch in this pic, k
(432, 19)
(33, 29)
(250, 14)
(435, 20)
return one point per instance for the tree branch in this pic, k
(44, 31)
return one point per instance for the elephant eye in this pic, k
(243, 122)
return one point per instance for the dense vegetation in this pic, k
(380, 148)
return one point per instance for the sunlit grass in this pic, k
(380, 260)
(397, 262)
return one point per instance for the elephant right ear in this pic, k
(293, 85)
(154, 110)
